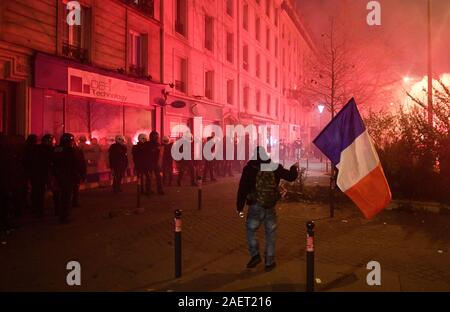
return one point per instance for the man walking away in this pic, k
(259, 189)
(118, 162)
(141, 164)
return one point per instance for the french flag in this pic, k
(346, 142)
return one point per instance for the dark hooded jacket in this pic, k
(247, 183)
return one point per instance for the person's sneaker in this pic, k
(254, 261)
(270, 267)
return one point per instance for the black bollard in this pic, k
(310, 256)
(177, 243)
(199, 192)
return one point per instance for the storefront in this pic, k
(93, 104)
(211, 115)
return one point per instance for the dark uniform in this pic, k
(118, 162)
(18, 178)
(167, 164)
(209, 164)
(186, 165)
(67, 169)
(4, 182)
(154, 152)
(80, 177)
(141, 165)
(39, 173)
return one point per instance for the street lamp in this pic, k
(320, 107)
(406, 79)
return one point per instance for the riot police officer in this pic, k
(39, 172)
(67, 168)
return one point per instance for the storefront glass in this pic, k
(77, 116)
(53, 115)
(94, 124)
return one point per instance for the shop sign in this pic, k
(94, 85)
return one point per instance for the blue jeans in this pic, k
(256, 216)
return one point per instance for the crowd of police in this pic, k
(30, 169)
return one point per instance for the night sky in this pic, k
(402, 31)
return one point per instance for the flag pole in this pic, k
(332, 175)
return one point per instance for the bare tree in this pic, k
(344, 67)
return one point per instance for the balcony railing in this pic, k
(180, 86)
(147, 7)
(75, 52)
(137, 71)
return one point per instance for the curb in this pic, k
(106, 183)
(409, 205)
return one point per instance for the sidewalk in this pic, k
(121, 250)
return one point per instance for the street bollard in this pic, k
(138, 198)
(177, 243)
(199, 192)
(310, 256)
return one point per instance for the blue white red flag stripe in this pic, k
(346, 142)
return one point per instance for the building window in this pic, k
(277, 104)
(245, 57)
(137, 51)
(230, 7)
(209, 84)
(268, 38)
(245, 17)
(145, 6)
(258, 1)
(181, 17)
(268, 8)
(268, 72)
(258, 29)
(268, 108)
(284, 58)
(209, 32)
(181, 74)
(275, 17)
(230, 91)
(276, 77)
(258, 101)
(230, 47)
(258, 65)
(75, 38)
(246, 96)
(276, 46)
(282, 32)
